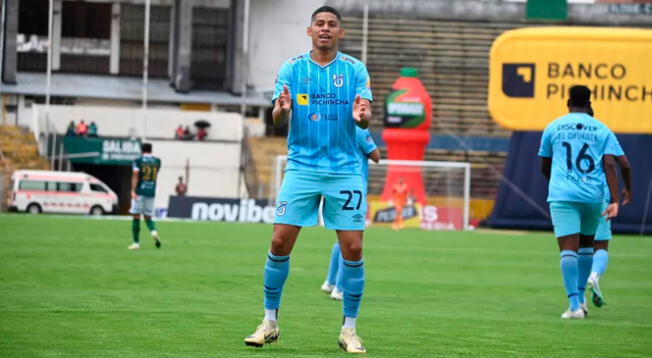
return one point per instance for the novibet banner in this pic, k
(531, 70)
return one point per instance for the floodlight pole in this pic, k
(243, 94)
(145, 67)
(365, 31)
(48, 83)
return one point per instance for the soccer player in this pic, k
(603, 233)
(324, 94)
(143, 188)
(399, 197)
(576, 155)
(367, 149)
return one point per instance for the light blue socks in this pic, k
(276, 272)
(569, 271)
(334, 265)
(353, 285)
(600, 261)
(584, 263)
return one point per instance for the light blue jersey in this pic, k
(576, 143)
(322, 130)
(366, 145)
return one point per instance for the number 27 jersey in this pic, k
(577, 143)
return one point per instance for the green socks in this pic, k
(135, 230)
(150, 225)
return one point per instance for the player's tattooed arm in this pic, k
(609, 165)
(546, 165)
(361, 112)
(375, 155)
(134, 182)
(282, 107)
(626, 171)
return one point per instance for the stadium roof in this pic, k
(121, 88)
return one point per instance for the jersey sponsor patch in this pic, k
(302, 99)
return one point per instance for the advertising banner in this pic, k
(532, 69)
(221, 209)
(105, 151)
(432, 216)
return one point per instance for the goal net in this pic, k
(434, 196)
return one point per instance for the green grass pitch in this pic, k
(70, 288)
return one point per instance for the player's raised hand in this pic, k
(627, 196)
(359, 109)
(611, 211)
(285, 100)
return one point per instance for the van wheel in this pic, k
(33, 208)
(97, 210)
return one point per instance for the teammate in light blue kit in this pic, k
(576, 156)
(324, 94)
(367, 149)
(603, 234)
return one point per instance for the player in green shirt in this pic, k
(143, 188)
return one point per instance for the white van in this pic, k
(36, 191)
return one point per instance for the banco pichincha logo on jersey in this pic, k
(518, 80)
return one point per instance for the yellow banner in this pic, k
(531, 70)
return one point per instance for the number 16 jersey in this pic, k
(576, 143)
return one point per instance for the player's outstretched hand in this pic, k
(627, 196)
(611, 211)
(285, 100)
(359, 109)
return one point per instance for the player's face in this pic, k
(325, 31)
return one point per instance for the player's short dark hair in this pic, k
(579, 96)
(326, 9)
(146, 147)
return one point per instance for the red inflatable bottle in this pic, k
(408, 115)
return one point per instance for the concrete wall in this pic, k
(277, 32)
(213, 168)
(127, 122)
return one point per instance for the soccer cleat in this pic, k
(157, 240)
(350, 342)
(266, 332)
(585, 307)
(577, 314)
(596, 294)
(134, 246)
(326, 287)
(336, 294)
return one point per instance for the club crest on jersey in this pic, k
(338, 80)
(281, 208)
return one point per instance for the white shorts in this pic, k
(142, 205)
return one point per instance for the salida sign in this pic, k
(532, 69)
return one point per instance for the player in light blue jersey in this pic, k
(367, 149)
(576, 157)
(603, 233)
(324, 94)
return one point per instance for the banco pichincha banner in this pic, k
(532, 69)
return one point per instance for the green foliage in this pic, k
(70, 288)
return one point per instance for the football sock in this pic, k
(150, 225)
(135, 230)
(584, 263)
(271, 314)
(334, 264)
(568, 263)
(353, 285)
(349, 322)
(338, 280)
(276, 271)
(600, 261)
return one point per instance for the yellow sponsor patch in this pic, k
(302, 99)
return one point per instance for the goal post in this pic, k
(438, 193)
